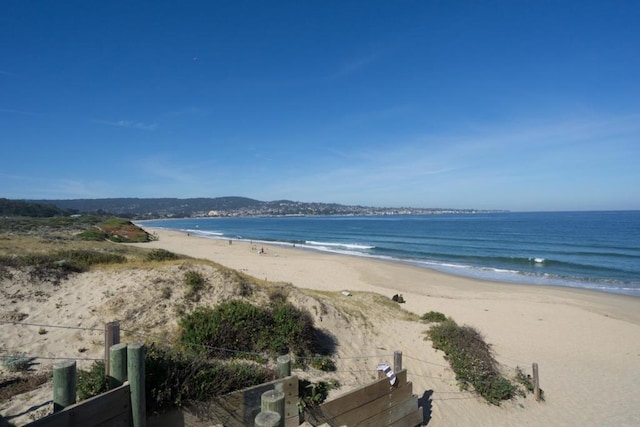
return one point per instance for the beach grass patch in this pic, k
(433, 316)
(22, 384)
(174, 378)
(195, 282)
(312, 394)
(93, 381)
(322, 363)
(161, 255)
(471, 359)
(245, 329)
(17, 362)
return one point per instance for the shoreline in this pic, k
(487, 274)
(452, 279)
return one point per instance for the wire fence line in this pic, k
(44, 325)
(164, 339)
(30, 356)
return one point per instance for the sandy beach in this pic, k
(587, 344)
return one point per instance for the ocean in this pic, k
(590, 250)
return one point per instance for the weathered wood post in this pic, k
(135, 374)
(111, 337)
(284, 366)
(117, 365)
(536, 383)
(267, 419)
(64, 384)
(273, 401)
(397, 361)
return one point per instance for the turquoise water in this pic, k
(592, 250)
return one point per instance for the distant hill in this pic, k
(31, 209)
(138, 208)
(154, 207)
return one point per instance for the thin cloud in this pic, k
(129, 124)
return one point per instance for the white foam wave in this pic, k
(204, 233)
(341, 245)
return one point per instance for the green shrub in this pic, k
(93, 234)
(92, 382)
(323, 363)
(237, 325)
(194, 283)
(433, 316)
(17, 362)
(527, 383)
(59, 265)
(471, 360)
(293, 330)
(313, 394)
(84, 259)
(172, 378)
(161, 255)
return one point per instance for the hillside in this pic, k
(145, 208)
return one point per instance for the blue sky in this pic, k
(519, 105)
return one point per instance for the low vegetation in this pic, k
(203, 369)
(161, 255)
(13, 386)
(58, 265)
(433, 316)
(279, 328)
(173, 378)
(194, 282)
(116, 230)
(472, 361)
(17, 362)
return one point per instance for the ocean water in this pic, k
(592, 250)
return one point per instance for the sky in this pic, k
(520, 105)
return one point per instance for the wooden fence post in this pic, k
(267, 419)
(397, 361)
(117, 365)
(284, 366)
(135, 374)
(536, 383)
(111, 337)
(273, 401)
(64, 384)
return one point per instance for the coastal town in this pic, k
(150, 208)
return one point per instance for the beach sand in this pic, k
(587, 344)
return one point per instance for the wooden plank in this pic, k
(289, 386)
(414, 419)
(112, 408)
(239, 409)
(375, 413)
(361, 396)
(351, 402)
(402, 409)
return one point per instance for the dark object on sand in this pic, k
(398, 298)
